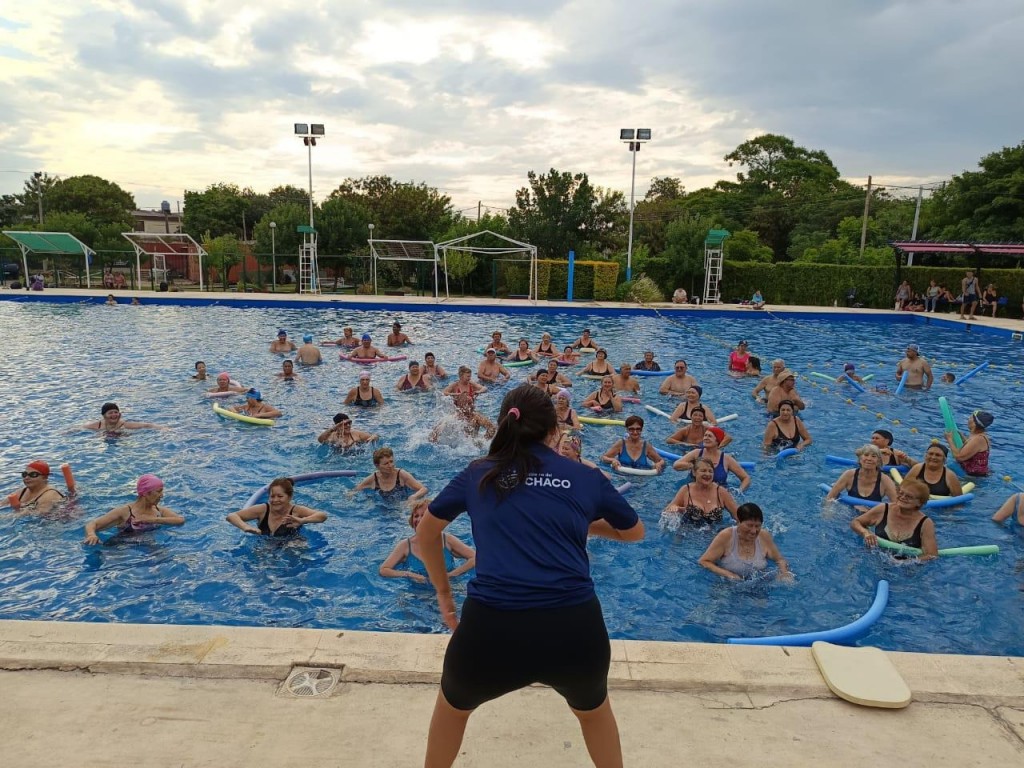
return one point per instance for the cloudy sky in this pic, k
(163, 96)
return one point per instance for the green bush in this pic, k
(645, 291)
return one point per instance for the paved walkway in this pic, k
(142, 695)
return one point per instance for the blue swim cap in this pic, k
(308, 338)
(282, 332)
(366, 337)
(255, 394)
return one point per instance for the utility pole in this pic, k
(864, 226)
(38, 176)
(479, 205)
(917, 217)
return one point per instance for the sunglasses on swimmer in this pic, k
(31, 474)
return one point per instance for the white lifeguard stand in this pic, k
(309, 275)
(714, 249)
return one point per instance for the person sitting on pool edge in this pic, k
(341, 435)
(364, 394)
(407, 551)
(282, 343)
(256, 408)
(389, 481)
(111, 422)
(633, 451)
(745, 548)
(308, 353)
(37, 495)
(902, 522)
(277, 517)
(144, 515)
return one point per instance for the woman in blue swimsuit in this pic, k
(407, 551)
(711, 449)
(633, 451)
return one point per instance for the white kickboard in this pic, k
(863, 676)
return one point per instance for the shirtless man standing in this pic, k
(308, 354)
(920, 372)
(396, 338)
(366, 350)
(282, 343)
(680, 381)
(490, 370)
(771, 381)
(786, 390)
(625, 381)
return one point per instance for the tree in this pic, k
(223, 253)
(286, 238)
(216, 211)
(561, 211)
(985, 205)
(100, 201)
(745, 245)
(342, 226)
(459, 265)
(665, 188)
(399, 211)
(682, 261)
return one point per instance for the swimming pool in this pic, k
(65, 360)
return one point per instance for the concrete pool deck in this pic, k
(144, 695)
(74, 694)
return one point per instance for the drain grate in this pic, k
(309, 683)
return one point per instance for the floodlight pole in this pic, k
(634, 138)
(38, 176)
(273, 256)
(309, 148)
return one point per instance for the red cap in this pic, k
(718, 432)
(41, 467)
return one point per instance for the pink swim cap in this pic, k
(223, 375)
(148, 483)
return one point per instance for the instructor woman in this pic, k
(531, 614)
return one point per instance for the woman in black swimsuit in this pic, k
(605, 398)
(37, 495)
(786, 430)
(523, 353)
(279, 517)
(902, 522)
(389, 481)
(933, 472)
(867, 481)
(546, 348)
(600, 365)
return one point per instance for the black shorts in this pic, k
(494, 652)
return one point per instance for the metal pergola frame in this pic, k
(55, 249)
(168, 240)
(460, 244)
(398, 250)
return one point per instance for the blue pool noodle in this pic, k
(853, 382)
(309, 477)
(903, 382)
(977, 369)
(848, 462)
(847, 634)
(786, 452)
(675, 457)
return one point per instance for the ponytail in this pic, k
(527, 417)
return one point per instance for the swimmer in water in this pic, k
(389, 481)
(341, 435)
(308, 353)
(287, 372)
(255, 407)
(282, 343)
(277, 517)
(347, 339)
(224, 384)
(144, 515)
(200, 374)
(396, 338)
(407, 551)
(112, 423)
(37, 495)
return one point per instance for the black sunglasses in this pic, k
(31, 474)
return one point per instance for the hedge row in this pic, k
(824, 284)
(592, 280)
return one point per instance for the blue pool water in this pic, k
(63, 361)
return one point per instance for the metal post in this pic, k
(572, 271)
(38, 175)
(864, 225)
(309, 147)
(633, 148)
(917, 217)
(273, 256)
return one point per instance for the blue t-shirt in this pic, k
(531, 547)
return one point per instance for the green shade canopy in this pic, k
(50, 243)
(716, 237)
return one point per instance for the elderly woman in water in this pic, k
(702, 500)
(407, 552)
(744, 549)
(278, 517)
(143, 515)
